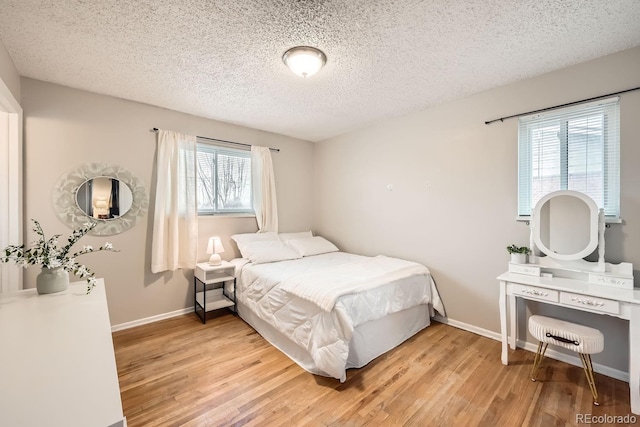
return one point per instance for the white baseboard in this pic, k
(146, 320)
(467, 327)
(553, 354)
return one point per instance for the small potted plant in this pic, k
(518, 253)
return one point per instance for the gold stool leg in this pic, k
(588, 370)
(538, 359)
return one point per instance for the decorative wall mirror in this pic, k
(108, 195)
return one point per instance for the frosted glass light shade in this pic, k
(214, 247)
(304, 61)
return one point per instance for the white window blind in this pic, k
(224, 180)
(576, 148)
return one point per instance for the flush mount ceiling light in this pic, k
(305, 61)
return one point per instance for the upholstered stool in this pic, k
(583, 340)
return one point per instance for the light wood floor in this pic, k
(180, 372)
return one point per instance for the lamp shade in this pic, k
(214, 247)
(304, 61)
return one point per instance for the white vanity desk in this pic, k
(579, 295)
(57, 365)
(567, 226)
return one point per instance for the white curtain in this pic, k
(264, 189)
(175, 218)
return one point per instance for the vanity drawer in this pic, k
(534, 292)
(593, 303)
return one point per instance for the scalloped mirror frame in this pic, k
(593, 225)
(68, 211)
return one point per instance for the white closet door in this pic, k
(10, 186)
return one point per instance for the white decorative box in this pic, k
(527, 269)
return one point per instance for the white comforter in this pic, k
(322, 320)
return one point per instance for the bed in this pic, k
(329, 310)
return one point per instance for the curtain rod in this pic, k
(501, 119)
(225, 141)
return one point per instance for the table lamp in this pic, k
(214, 248)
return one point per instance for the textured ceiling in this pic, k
(223, 59)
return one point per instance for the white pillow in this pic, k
(290, 236)
(260, 252)
(244, 239)
(312, 246)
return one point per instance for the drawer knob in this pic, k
(535, 292)
(586, 301)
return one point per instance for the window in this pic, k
(576, 148)
(224, 180)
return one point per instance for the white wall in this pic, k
(453, 202)
(8, 73)
(65, 128)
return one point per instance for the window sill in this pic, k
(607, 220)
(228, 215)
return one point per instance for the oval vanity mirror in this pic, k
(104, 198)
(565, 225)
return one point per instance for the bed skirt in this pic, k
(370, 340)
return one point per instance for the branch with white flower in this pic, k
(45, 252)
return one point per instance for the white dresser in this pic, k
(57, 365)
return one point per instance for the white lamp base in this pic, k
(215, 260)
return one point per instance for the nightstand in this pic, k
(208, 297)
